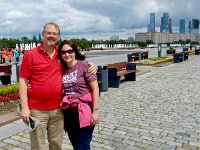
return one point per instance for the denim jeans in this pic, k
(79, 137)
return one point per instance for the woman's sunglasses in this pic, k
(70, 51)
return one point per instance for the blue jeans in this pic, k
(79, 137)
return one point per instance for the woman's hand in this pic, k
(95, 117)
(29, 86)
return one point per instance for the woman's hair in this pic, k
(75, 48)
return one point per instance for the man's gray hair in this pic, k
(53, 24)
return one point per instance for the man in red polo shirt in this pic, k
(41, 68)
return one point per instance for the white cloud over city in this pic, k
(82, 18)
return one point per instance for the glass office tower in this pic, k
(195, 26)
(185, 25)
(170, 25)
(151, 26)
(164, 27)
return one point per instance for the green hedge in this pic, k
(9, 89)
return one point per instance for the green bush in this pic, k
(9, 89)
(158, 58)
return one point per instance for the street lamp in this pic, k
(160, 45)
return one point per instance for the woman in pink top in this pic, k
(80, 96)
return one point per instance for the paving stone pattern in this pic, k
(159, 111)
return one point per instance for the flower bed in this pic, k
(190, 52)
(9, 98)
(155, 60)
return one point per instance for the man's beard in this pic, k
(51, 42)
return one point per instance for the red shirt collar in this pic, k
(40, 47)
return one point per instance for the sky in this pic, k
(91, 19)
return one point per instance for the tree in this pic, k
(142, 44)
(25, 39)
(188, 41)
(34, 40)
(82, 43)
(39, 38)
(7, 43)
(149, 41)
(194, 43)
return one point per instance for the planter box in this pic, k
(153, 63)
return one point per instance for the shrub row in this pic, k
(8, 89)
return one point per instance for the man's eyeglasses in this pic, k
(49, 33)
(70, 51)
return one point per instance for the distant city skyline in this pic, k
(92, 19)
(186, 25)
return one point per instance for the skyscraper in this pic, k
(170, 25)
(195, 26)
(184, 25)
(164, 27)
(151, 26)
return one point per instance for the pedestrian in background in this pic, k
(10, 55)
(16, 54)
(80, 103)
(3, 55)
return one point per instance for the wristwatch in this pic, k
(96, 109)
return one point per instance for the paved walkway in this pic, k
(161, 110)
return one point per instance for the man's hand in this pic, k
(25, 114)
(92, 69)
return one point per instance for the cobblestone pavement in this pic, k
(161, 110)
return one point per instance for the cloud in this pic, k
(26, 18)
(6, 23)
(15, 15)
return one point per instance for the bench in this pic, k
(118, 70)
(134, 56)
(5, 73)
(178, 57)
(145, 54)
(170, 51)
(185, 55)
(197, 51)
(185, 49)
(137, 56)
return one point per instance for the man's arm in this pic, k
(25, 112)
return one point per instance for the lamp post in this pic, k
(160, 46)
(159, 49)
